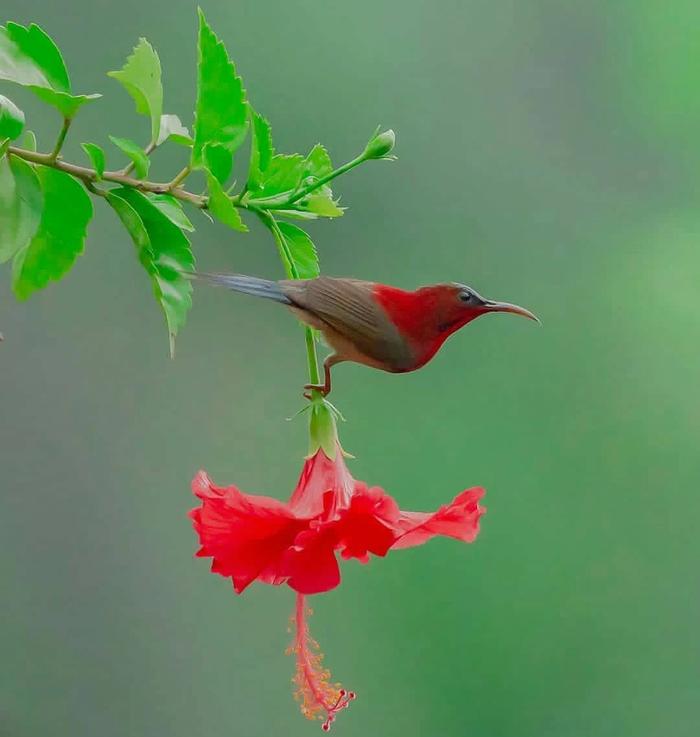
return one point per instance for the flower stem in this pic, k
(324, 180)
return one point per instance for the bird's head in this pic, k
(458, 304)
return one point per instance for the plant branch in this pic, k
(180, 178)
(90, 176)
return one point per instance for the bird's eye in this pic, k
(465, 296)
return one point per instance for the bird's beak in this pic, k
(492, 306)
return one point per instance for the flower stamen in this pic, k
(318, 698)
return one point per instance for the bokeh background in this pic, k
(549, 155)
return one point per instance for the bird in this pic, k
(369, 323)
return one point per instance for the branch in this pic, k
(90, 176)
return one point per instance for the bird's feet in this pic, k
(321, 388)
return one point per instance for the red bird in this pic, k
(373, 324)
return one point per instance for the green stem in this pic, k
(291, 272)
(324, 180)
(61, 139)
(282, 202)
(180, 178)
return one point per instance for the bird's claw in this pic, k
(315, 387)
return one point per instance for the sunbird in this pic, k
(373, 324)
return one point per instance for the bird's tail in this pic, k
(245, 284)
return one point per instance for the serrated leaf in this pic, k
(21, 202)
(284, 174)
(172, 129)
(163, 250)
(221, 206)
(172, 209)
(29, 57)
(141, 78)
(318, 162)
(261, 149)
(11, 119)
(218, 161)
(141, 161)
(61, 235)
(221, 115)
(323, 204)
(97, 157)
(301, 249)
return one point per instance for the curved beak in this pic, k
(492, 306)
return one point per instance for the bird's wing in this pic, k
(349, 307)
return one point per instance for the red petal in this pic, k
(459, 519)
(247, 536)
(320, 475)
(311, 563)
(368, 525)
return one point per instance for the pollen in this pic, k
(318, 697)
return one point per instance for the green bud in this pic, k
(380, 145)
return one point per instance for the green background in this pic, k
(549, 155)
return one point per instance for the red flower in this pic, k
(259, 538)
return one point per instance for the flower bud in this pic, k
(380, 145)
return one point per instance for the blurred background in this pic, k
(549, 156)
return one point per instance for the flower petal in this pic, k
(311, 565)
(459, 519)
(247, 536)
(368, 525)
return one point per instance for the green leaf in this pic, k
(172, 209)
(163, 250)
(28, 141)
(323, 204)
(221, 115)
(221, 207)
(4, 145)
(172, 129)
(29, 57)
(141, 78)
(284, 174)
(218, 161)
(97, 157)
(318, 162)
(261, 149)
(301, 249)
(61, 235)
(141, 162)
(21, 202)
(11, 119)
(67, 105)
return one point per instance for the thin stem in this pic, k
(292, 273)
(282, 202)
(61, 139)
(148, 151)
(90, 175)
(180, 178)
(324, 180)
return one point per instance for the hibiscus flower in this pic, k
(258, 538)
